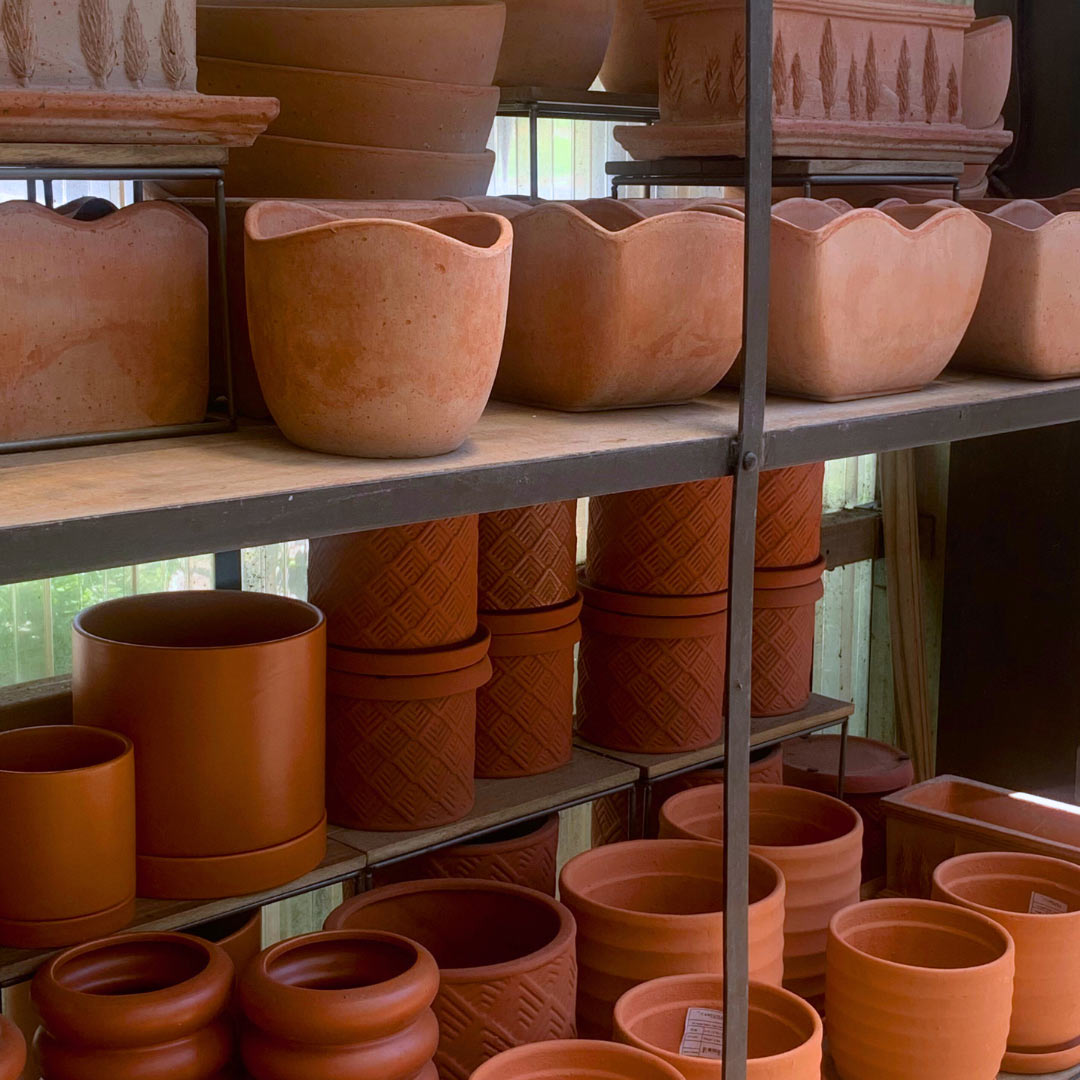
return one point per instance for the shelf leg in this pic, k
(224, 335)
(228, 570)
(534, 151)
(841, 772)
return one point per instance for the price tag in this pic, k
(703, 1034)
(1041, 904)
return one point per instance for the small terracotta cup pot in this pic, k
(789, 516)
(68, 852)
(347, 1003)
(525, 714)
(12, 1051)
(505, 956)
(1037, 900)
(223, 695)
(647, 908)
(133, 1006)
(784, 1031)
(814, 839)
(576, 1060)
(917, 989)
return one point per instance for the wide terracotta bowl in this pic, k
(574, 1060)
(631, 63)
(12, 1050)
(988, 58)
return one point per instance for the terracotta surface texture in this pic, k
(572, 1060)
(988, 59)
(631, 64)
(647, 908)
(12, 1050)
(789, 516)
(505, 955)
(409, 363)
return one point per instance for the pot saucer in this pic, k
(828, 1071)
(1061, 1064)
(57, 933)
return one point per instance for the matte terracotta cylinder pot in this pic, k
(505, 956)
(342, 1005)
(238, 934)
(917, 989)
(576, 1060)
(12, 1051)
(789, 516)
(647, 908)
(68, 849)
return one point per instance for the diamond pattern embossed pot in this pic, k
(576, 1060)
(12, 1050)
(789, 516)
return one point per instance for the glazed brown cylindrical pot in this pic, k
(576, 1060)
(1037, 900)
(341, 1005)
(647, 908)
(68, 853)
(12, 1051)
(135, 1006)
(223, 695)
(917, 989)
(789, 516)
(505, 956)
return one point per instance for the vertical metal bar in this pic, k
(534, 150)
(228, 570)
(842, 768)
(224, 337)
(31, 190)
(808, 189)
(137, 191)
(48, 186)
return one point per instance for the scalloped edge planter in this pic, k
(584, 1059)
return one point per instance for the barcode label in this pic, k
(1041, 904)
(703, 1035)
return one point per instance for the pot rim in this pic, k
(437, 660)
(544, 827)
(766, 579)
(855, 783)
(125, 748)
(650, 606)
(1019, 858)
(573, 1048)
(734, 222)
(987, 22)
(823, 233)
(303, 7)
(532, 620)
(409, 687)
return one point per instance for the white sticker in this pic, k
(1041, 904)
(703, 1035)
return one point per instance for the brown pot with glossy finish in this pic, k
(647, 908)
(505, 956)
(12, 1050)
(223, 695)
(789, 516)
(576, 1060)
(631, 64)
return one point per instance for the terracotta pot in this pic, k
(134, 1006)
(348, 1004)
(631, 62)
(607, 318)
(814, 839)
(69, 866)
(789, 516)
(222, 694)
(505, 956)
(784, 1031)
(573, 1060)
(238, 934)
(647, 908)
(528, 557)
(783, 651)
(917, 989)
(668, 540)
(12, 1051)
(134, 352)
(428, 306)
(988, 57)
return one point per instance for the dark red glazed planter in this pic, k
(12, 1051)
(789, 516)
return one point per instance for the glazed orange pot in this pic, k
(69, 865)
(574, 1060)
(917, 989)
(505, 956)
(222, 694)
(789, 516)
(347, 1003)
(12, 1051)
(646, 908)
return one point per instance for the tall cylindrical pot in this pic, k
(789, 516)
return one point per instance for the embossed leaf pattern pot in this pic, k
(988, 58)
(917, 989)
(631, 62)
(789, 516)
(223, 695)
(573, 1060)
(12, 1050)
(647, 908)
(347, 1003)
(505, 955)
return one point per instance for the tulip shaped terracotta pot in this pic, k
(646, 908)
(505, 956)
(1037, 900)
(917, 989)
(576, 1060)
(68, 853)
(789, 516)
(12, 1051)
(135, 1006)
(346, 1003)
(223, 695)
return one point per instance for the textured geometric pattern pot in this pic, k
(12, 1051)
(572, 1060)
(789, 516)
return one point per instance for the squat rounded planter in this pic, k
(223, 695)
(576, 1060)
(505, 956)
(12, 1050)
(789, 516)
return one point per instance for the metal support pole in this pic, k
(228, 570)
(841, 772)
(225, 336)
(534, 150)
(48, 186)
(31, 191)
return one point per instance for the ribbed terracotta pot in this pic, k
(784, 1031)
(789, 516)
(135, 1006)
(632, 62)
(222, 694)
(917, 989)
(68, 853)
(345, 1004)
(646, 908)
(12, 1051)
(505, 956)
(576, 1060)
(1037, 900)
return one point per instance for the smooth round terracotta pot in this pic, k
(400, 365)
(646, 908)
(69, 865)
(789, 516)
(917, 989)
(988, 61)
(505, 956)
(576, 1060)
(223, 695)
(631, 63)
(1044, 1035)
(238, 934)
(135, 1006)
(12, 1050)
(784, 1031)
(347, 1003)
(814, 839)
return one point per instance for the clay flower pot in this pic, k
(789, 516)
(576, 1060)
(350, 1003)
(784, 1031)
(988, 57)
(135, 1005)
(1037, 900)
(505, 956)
(647, 908)
(632, 60)
(238, 934)
(407, 367)
(222, 694)
(12, 1050)
(406, 587)
(69, 865)
(669, 541)
(917, 989)
(610, 316)
(815, 840)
